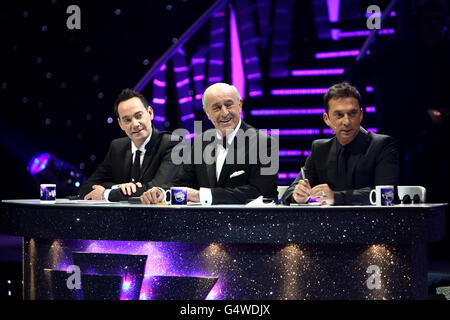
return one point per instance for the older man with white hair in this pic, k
(227, 180)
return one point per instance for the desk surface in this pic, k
(224, 223)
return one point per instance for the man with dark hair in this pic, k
(136, 162)
(342, 170)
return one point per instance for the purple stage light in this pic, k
(316, 72)
(254, 76)
(187, 117)
(370, 109)
(252, 59)
(159, 101)
(184, 100)
(292, 132)
(337, 34)
(256, 93)
(217, 31)
(198, 60)
(336, 54)
(199, 96)
(327, 131)
(217, 45)
(306, 153)
(214, 79)
(181, 83)
(287, 175)
(299, 91)
(159, 119)
(190, 136)
(369, 89)
(199, 78)
(333, 10)
(216, 62)
(159, 83)
(374, 130)
(378, 14)
(237, 65)
(286, 112)
(289, 153)
(38, 163)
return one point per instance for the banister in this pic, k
(178, 44)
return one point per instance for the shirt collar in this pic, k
(142, 148)
(354, 145)
(231, 136)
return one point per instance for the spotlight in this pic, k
(46, 168)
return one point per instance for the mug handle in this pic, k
(370, 197)
(168, 195)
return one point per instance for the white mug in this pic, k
(48, 193)
(384, 196)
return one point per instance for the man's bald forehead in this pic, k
(216, 86)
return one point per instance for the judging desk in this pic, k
(83, 250)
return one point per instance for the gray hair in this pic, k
(219, 84)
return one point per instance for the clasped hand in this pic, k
(303, 192)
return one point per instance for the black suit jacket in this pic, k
(238, 183)
(373, 161)
(157, 167)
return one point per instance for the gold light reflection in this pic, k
(55, 254)
(293, 262)
(378, 257)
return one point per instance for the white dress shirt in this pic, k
(133, 153)
(221, 154)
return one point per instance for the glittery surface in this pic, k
(243, 252)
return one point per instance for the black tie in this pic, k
(136, 169)
(342, 169)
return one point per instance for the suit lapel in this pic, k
(231, 158)
(211, 168)
(127, 163)
(150, 151)
(331, 164)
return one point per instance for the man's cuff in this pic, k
(205, 196)
(105, 195)
(339, 197)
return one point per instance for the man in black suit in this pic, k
(134, 163)
(342, 170)
(232, 174)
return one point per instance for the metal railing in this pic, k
(179, 43)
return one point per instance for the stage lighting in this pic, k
(46, 168)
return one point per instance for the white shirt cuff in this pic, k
(205, 196)
(106, 194)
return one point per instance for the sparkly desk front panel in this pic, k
(232, 252)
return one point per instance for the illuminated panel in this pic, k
(298, 91)
(216, 53)
(333, 10)
(281, 36)
(317, 72)
(337, 34)
(336, 54)
(198, 62)
(237, 65)
(249, 42)
(183, 90)
(287, 112)
(292, 132)
(159, 98)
